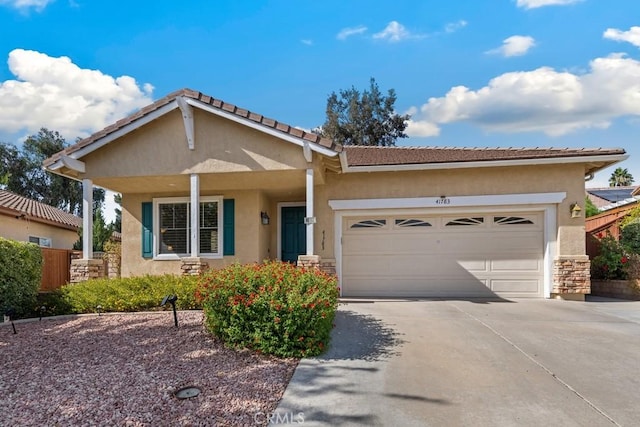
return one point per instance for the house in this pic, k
(614, 204)
(205, 183)
(27, 220)
(610, 197)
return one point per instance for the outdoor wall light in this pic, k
(264, 218)
(576, 210)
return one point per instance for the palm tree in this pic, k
(620, 178)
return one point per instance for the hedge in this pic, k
(20, 277)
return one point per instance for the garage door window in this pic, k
(412, 222)
(511, 220)
(465, 221)
(370, 223)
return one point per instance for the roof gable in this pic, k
(14, 204)
(199, 100)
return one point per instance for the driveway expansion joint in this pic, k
(540, 365)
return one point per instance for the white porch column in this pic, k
(87, 219)
(195, 215)
(310, 219)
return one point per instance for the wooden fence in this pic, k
(56, 265)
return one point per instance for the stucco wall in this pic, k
(160, 148)
(248, 234)
(21, 229)
(458, 182)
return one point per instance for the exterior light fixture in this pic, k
(576, 210)
(171, 299)
(264, 218)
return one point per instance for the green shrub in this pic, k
(612, 263)
(20, 276)
(630, 237)
(131, 293)
(274, 308)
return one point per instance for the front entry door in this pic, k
(294, 233)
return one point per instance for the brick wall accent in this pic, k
(314, 261)
(193, 266)
(85, 269)
(328, 266)
(113, 264)
(571, 275)
(309, 261)
(624, 289)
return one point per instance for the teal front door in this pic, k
(294, 233)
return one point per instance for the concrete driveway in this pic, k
(475, 363)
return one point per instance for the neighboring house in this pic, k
(611, 197)
(606, 223)
(205, 184)
(27, 220)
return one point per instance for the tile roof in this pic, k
(14, 204)
(206, 99)
(379, 156)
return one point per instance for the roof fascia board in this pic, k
(612, 158)
(101, 142)
(453, 201)
(257, 126)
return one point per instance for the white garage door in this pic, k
(467, 255)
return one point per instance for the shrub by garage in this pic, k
(274, 307)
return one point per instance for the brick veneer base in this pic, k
(571, 275)
(314, 261)
(193, 266)
(85, 269)
(624, 289)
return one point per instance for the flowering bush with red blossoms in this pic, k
(274, 307)
(613, 261)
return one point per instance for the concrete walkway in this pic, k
(473, 363)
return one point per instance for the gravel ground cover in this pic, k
(123, 370)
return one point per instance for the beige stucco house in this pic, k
(205, 184)
(27, 220)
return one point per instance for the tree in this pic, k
(117, 223)
(366, 118)
(12, 168)
(21, 172)
(589, 208)
(620, 178)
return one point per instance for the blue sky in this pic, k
(510, 73)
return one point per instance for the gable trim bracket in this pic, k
(187, 117)
(308, 154)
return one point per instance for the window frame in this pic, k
(186, 200)
(43, 242)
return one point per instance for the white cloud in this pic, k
(532, 4)
(26, 4)
(514, 46)
(57, 94)
(395, 32)
(632, 36)
(351, 31)
(455, 26)
(308, 42)
(542, 100)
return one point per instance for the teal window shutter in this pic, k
(229, 244)
(147, 230)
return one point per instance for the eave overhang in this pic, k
(592, 163)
